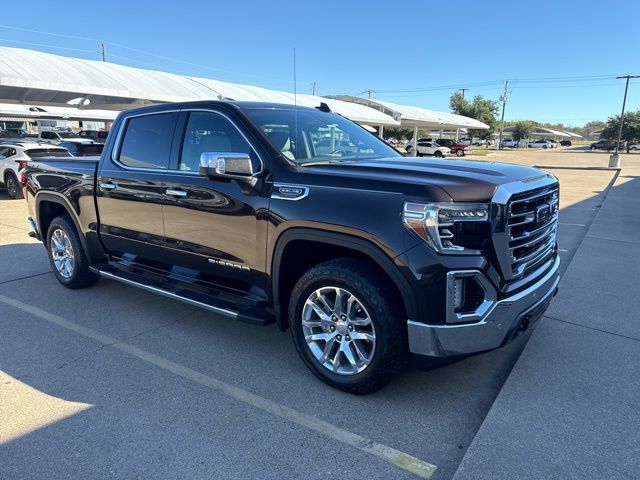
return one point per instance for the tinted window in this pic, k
(147, 141)
(3, 152)
(48, 135)
(210, 132)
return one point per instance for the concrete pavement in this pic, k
(569, 409)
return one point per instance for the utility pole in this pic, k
(104, 52)
(369, 94)
(503, 98)
(614, 160)
(463, 90)
(313, 89)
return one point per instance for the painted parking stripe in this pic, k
(572, 224)
(399, 459)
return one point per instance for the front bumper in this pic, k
(502, 322)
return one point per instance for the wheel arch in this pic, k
(51, 205)
(344, 245)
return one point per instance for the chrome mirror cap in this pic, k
(228, 164)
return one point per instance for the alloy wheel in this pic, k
(62, 253)
(338, 330)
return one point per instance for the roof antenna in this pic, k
(295, 104)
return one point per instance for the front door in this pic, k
(212, 228)
(130, 186)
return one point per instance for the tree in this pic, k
(630, 128)
(481, 109)
(522, 130)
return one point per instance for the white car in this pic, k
(541, 144)
(55, 137)
(635, 146)
(13, 160)
(429, 148)
(510, 143)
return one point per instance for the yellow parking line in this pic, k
(399, 459)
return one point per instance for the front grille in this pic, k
(531, 228)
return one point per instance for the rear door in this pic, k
(130, 186)
(212, 226)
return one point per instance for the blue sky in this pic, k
(561, 57)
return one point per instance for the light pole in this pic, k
(614, 160)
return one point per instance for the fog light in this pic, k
(470, 296)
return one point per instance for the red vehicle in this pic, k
(458, 149)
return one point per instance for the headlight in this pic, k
(441, 225)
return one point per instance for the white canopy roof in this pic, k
(416, 116)
(32, 77)
(25, 112)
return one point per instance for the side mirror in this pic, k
(226, 164)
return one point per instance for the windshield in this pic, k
(320, 136)
(68, 135)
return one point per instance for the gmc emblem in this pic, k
(543, 213)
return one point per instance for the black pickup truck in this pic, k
(274, 213)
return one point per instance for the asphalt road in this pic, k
(113, 382)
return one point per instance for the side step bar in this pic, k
(166, 293)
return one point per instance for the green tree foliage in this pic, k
(481, 109)
(522, 130)
(630, 128)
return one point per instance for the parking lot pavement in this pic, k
(114, 382)
(569, 409)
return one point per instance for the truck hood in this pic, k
(462, 180)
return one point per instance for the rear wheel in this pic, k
(68, 261)
(13, 187)
(346, 326)
(460, 153)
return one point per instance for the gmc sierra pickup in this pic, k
(273, 213)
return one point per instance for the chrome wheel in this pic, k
(338, 330)
(62, 253)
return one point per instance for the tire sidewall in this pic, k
(12, 178)
(382, 331)
(79, 260)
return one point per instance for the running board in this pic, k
(166, 293)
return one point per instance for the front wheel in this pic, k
(68, 261)
(438, 154)
(346, 326)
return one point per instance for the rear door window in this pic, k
(147, 141)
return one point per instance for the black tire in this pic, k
(13, 186)
(438, 154)
(592, 148)
(362, 281)
(544, 146)
(459, 153)
(81, 276)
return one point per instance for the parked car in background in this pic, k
(55, 137)
(565, 143)
(541, 144)
(554, 144)
(605, 145)
(510, 143)
(13, 160)
(635, 146)
(77, 149)
(429, 148)
(457, 148)
(13, 133)
(99, 136)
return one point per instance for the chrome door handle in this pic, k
(175, 193)
(107, 186)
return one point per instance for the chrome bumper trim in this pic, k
(493, 331)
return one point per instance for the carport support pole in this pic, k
(414, 152)
(381, 132)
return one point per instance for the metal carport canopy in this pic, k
(410, 116)
(37, 78)
(31, 112)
